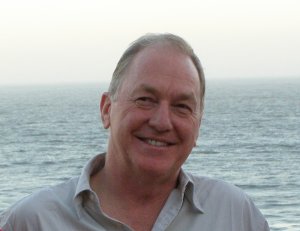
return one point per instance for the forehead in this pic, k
(163, 57)
(161, 64)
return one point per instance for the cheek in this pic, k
(127, 117)
(189, 131)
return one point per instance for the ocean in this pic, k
(250, 137)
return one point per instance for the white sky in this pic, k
(43, 41)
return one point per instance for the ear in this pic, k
(198, 132)
(105, 106)
(196, 138)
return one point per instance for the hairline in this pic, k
(148, 40)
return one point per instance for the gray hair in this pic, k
(151, 39)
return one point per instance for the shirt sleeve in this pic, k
(253, 218)
(17, 218)
(4, 221)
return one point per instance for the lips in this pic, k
(156, 142)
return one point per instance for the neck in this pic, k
(122, 191)
(130, 185)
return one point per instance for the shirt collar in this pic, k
(186, 184)
(187, 188)
(83, 188)
(84, 179)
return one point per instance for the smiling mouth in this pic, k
(155, 143)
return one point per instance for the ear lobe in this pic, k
(105, 106)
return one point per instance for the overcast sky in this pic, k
(43, 41)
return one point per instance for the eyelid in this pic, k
(183, 108)
(186, 104)
(183, 105)
(145, 101)
(146, 98)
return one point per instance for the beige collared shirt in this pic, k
(197, 204)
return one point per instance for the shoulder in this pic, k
(30, 210)
(49, 196)
(207, 186)
(227, 200)
(219, 191)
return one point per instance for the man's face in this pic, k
(154, 121)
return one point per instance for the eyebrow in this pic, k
(144, 87)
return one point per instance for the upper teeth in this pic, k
(157, 143)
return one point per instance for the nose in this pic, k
(161, 118)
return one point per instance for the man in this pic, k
(153, 111)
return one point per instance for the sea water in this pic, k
(250, 137)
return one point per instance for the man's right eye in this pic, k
(146, 102)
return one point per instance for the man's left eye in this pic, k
(183, 108)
